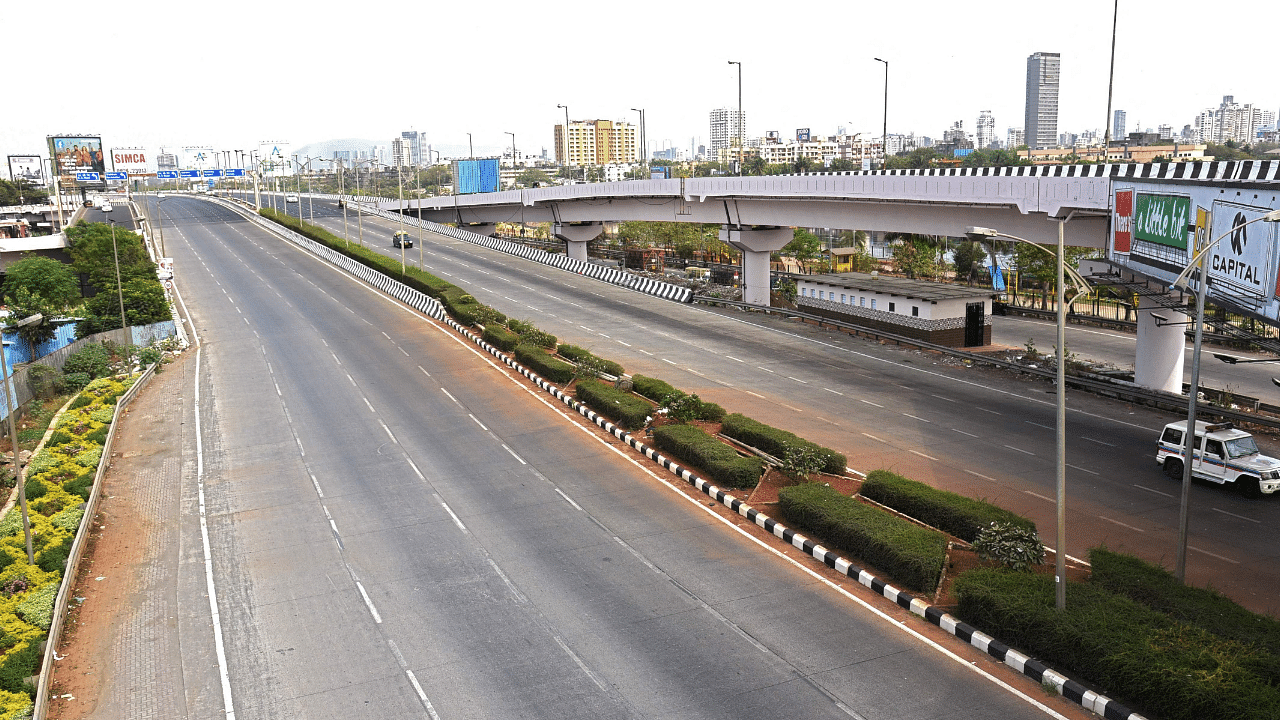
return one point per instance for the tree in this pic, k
(803, 164)
(10, 192)
(970, 257)
(804, 245)
(532, 177)
(993, 158)
(1225, 152)
(754, 166)
(841, 165)
(916, 256)
(93, 254)
(917, 159)
(144, 304)
(45, 278)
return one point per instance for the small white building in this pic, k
(939, 313)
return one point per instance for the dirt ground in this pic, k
(110, 575)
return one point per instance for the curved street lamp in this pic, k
(1083, 288)
(1183, 282)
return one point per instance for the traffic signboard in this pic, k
(213, 173)
(87, 177)
(235, 172)
(120, 175)
(189, 173)
(167, 174)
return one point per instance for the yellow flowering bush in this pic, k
(59, 478)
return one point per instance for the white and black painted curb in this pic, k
(613, 276)
(1033, 669)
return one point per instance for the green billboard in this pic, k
(1162, 219)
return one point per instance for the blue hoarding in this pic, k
(476, 176)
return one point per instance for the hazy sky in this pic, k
(231, 73)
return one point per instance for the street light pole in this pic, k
(119, 287)
(884, 132)
(567, 164)
(513, 154)
(1082, 287)
(739, 64)
(644, 146)
(1188, 450)
(471, 148)
(11, 405)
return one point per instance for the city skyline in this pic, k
(829, 84)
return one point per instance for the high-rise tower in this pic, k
(1041, 119)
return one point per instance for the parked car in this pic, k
(402, 239)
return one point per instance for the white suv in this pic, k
(1223, 454)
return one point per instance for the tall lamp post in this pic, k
(1183, 282)
(1082, 287)
(884, 131)
(471, 148)
(644, 146)
(119, 287)
(11, 405)
(739, 64)
(513, 155)
(567, 164)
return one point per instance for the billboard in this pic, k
(135, 161)
(475, 176)
(27, 168)
(197, 158)
(75, 157)
(273, 158)
(803, 134)
(1164, 222)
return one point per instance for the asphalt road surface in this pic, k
(979, 432)
(396, 528)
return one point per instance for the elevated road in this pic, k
(982, 433)
(398, 529)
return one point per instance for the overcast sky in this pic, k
(235, 72)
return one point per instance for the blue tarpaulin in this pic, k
(997, 275)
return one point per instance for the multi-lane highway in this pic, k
(979, 432)
(396, 528)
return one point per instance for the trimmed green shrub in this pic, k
(487, 316)
(80, 486)
(35, 489)
(961, 516)
(775, 441)
(53, 558)
(1016, 548)
(58, 437)
(81, 401)
(723, 465)
(500, 337)
(98, 436)
(909, 554)
(92, 360)
(577, 354)
(652, 388)
(37, 607)
(74, 381)
(625, 409)
(537, 360)
(18, 665)
(1157, 588)
(1134, 654)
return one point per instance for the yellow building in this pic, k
(1180, 152)
(598, 142)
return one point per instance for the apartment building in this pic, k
(597, 142)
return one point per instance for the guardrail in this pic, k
(77, 547)
(1106, 388)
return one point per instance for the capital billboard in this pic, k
(1242, 259)
(274, 158)
(135, 161)
(76, 158)
(197, 158)
(27, 168)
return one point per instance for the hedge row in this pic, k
(536, 359)
(961, 516)
(577, 354)
(652, 388)
(500, 337)
(1157, 588)
(1137, 655)
(908, 553)
(775, 441)
(626, 410)
(723, 466)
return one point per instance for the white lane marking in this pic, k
(352, 381)
(964, 433)
(1123, 525)
(581, 665)
(646, 352)
(837, 392)
(873, 437)
(984, 477)
(513, 454)
(733, 358)
(672, 362)
(520, 598)
(368, 405)
(424, 371)
(389, 433)
(1024, 452)
(1097, 441)
(456, 520)
(317, 484)
(756, 394)
(451, 397)
(277, 388)
(477, 421)
(870, 403)
(335, 358)
(220, 651)
(1213, 555)
(1046, 427)
(765, 369)
(993, 412)
(1239, 517)
(422, 696)
(806, 382)
(942, 398)
(623, 343)
(917, 452)
(368, 601)
(1152, 490)
(1083, 470)
(403, 351)
(569, 500)
(1038, 495)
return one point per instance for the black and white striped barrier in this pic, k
(1033, 669)
(613, 276)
